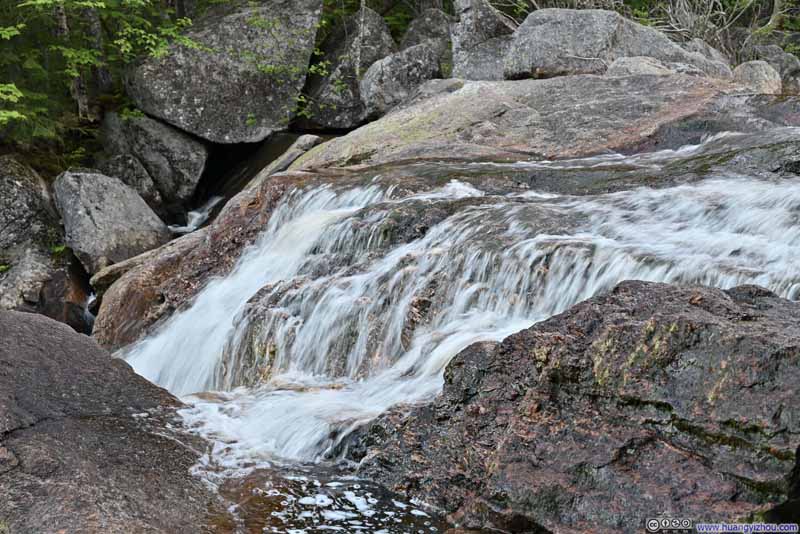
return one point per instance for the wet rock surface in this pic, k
(105, 220)
(240, 85)
(86, 445)
(559, 42)
(650, 399)
(152, 285)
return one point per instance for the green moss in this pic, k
(4, 267)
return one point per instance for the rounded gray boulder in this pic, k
(105, 220)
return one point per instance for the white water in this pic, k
(349, 324)
(196, 218)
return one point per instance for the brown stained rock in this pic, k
(86, 445)
(149, 287)
(651, 399)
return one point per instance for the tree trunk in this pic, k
(77, 87)
(777, 15)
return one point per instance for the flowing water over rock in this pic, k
(354, 299)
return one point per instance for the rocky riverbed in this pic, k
(549, 294)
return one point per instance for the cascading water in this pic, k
(337, 313)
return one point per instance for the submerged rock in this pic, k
(29, 230)
(596, 418)
(560, 42)
(481, 38)
(390, 81)
(173, 161)
(105, 220)
(759, 77)
(335, 99)
(86, 444)
(241, 83)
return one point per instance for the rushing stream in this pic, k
(339, 312)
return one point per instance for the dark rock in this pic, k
(242, 83)
(86, 445)
(28, 230)
(559, 42)
(130, 171)
(391, 80)
(759, 77)
(173, 161)
(362, 39)
(65, 296)
(481, 38)
(303, 144)
(105, 220)
(651, 399)
(787, 65)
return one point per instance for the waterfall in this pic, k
(339, 312)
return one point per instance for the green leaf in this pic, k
(8, 32)
(10, 93)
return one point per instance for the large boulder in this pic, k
(131, 172)
(432, 26)
(701, 47)
(86, 445)
(787, 65)
(392, 80)
(481, 38)
(540, 119)
(560, 42)
(335, 97)
(651, 399)
(105, 220)
(29, 229)
(173, 160)
(241, 80)
(759, 77)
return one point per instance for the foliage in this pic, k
(3, 268)
(61, 63)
